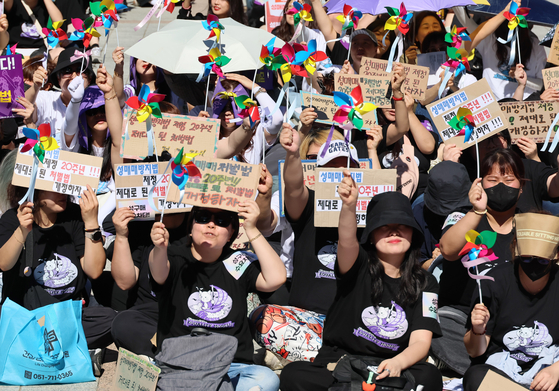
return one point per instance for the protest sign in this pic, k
(11, 84)
(486, 112)
(553, 56)
(134, 373)
(494, 381)
(374, 89)
(325, 108)
(416, 81)
(273, 13)
(551, 78)
(530, 119)
(223, 184)
(61, 171)
(172, 132)
(133, 183)
(309, 171)
(433, 61)
(327, 200)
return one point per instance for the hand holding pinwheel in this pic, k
(458, 62)
(463, 122)
(517, 18)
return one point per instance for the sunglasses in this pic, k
(312, 156)
(221, 219)
(97, 110)
(541, 261)
(71, 69)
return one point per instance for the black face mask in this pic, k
(502, 197)
(534, 269)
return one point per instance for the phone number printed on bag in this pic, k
(50, 378)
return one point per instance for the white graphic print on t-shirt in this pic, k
(383, 322)
(56, 273)
(327, 256)
(210, 305)
(526, 341)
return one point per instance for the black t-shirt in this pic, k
(358, 326)
(520, 323)
(56, 256)
(457, 287)
(313, 284)
(213, 296)
(19, 21)
(338, 54)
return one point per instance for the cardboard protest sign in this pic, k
(553, 56)
(328, 203)
(530, 119)
(309, 179)
(325, 107)
(493, 381)
(62, 172)
(551, 78)
(11, 84)
(416, 81)
(486, 112)
(133, 183)
(172, 132)
(374, 89)
(433, 61)
(224, 184)
(134, 373)
(273, 13)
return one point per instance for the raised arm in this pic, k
(39, 76)
(454, 239)
(124, 272)
(487, 28)
(105, 82)
(374, 136)
(10, 251)
(402, 124)
(348, 246)
(296, 193)
(118, 80)
(159, 265)
(267, 219)
(324, 23)
(230, 146)
(423, 139)
(52, 9)
(93, 260)
(70, 125)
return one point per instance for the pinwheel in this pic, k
(11, 50)
(107, 10)
(146, 104)
(463, 122)
(248, 108)
(294, 57)
(85, 30)
(456, 36)
(477, 251)
(517, 18)
(271, 57)
(168, 5)
(352, 107)
(399, 20)
(212, 62)
(183, 167)
(54, 32)
(350, 18)
(312, 57)
(39, 140)
(457, 63)
(213, 26)
(300, 12)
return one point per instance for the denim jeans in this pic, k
(245, 377)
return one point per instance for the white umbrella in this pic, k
(177, 46)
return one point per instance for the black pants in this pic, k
(475, 374)
(303, 376)
(134, 328)
(96, 323)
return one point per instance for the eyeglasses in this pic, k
(70, 70)
(221, 219)
(541, 261)
(95, 111)
(312, 156)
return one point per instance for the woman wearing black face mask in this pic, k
(517, 334)
(494, 198)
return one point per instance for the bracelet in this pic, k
(112, 97)
(20, 242)
(474, 333)
(479, 213)
(253, 239)
(397, 99)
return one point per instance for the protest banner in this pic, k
(530, 119)
(553, 56)
(273, 13)
(223, 184)
(416, 81)
(374, 89)
(61, 171)
(486, 112)
(325, 108)
(551, 78)
(433, 61)
(133, 183)
(134, 373)
(172, 132)
(309, 179)
(328, 203)
(11, 82)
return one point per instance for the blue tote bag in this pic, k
(43, 346)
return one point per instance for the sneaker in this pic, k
(96, 356)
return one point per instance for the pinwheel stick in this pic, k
(348, 139)
(479, 283)
(165, 202)
(518, 43)
(349, 51)
(207, 91)
(477, 161)
(105, 48)
(253, 83)
(117, 40)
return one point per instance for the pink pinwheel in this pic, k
(183, 167)
(212, 62)
(146, 104)
(294, 57)
(213, 26)
(54, 32)
(398, 20)
(107, 10)
(350, 18)
(11, 50)
(456, 36)
(39, 140)
(352, 107)
(313, 56)
(478, 251)
(85, 30)
(300, 11)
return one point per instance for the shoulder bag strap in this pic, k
(35, 22)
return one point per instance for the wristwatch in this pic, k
(94, 234)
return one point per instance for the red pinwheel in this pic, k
(270, 56)
(516, 16)
(183, 167)
(352, 107)
(248, 107)
(350, 18)
(456, 36)
(85, 30)
(213, 26)
(146, 104)
(398, 20)
(293, 63)
(313, 56)
(54, 32)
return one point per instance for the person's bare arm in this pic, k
(423, 138)
(39, 76)
(237, 140)
(487, 28)
(4, 36)
(123, 270)
(348, 246)
(267, 220)
(118, 79)
(105, 82)
(401, 126)
(476, 344)
(94, 258)
(52, 9)
(324, 23)
(159, 265)
(10, 251)
(296, 193)
(366, 20)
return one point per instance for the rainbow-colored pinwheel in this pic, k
(398, 19)
(107, 10)
(352, 107)
(350, 18)
(213, 26)
(312, 57)
(146, 104)
(248, 108)
(85, 30)
(39, 140)
(456, 36)
(458, 62)
(54, 32)
(183, 167)
(478, 251)
(212, 62)
(271, 56)
(300, 11)
(463, 122)
(293, 61)
(517, 18)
